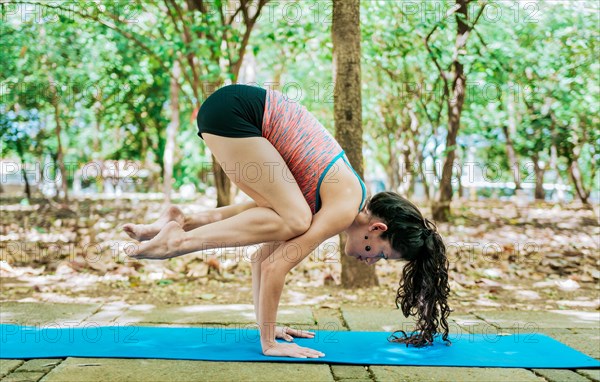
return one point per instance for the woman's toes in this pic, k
(163, 246)
(175, 214)
(143, 232)
(129, 230)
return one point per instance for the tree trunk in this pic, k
(404, 135)
(172, 128)
(347, 114)
(59, 153)
(454, 94)
(394, 166)
(459, 179)
(22, 157)
(96, 153)
(575, 174)
(96, 138)
(558, 181)
(413, 142)
(575, 171)
(539, 179)
(509, 130)
(512, 157)
(222, 184)
(455, 101)
(408, 186)
(424, 178)
(441, 209)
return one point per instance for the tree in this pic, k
(172, 129)
(402, 115)
(454, 81)
(345, 32)
(556, 107)
(207, 41)
(200, 28)
(20, 131)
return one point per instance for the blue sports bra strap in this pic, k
(362, 184)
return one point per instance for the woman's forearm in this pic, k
(256, 289)
(271, 286)
(262, 253)
(325, 224)
(272, 279)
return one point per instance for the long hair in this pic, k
(424, 289)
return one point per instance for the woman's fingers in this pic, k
(293, 350)
(288, 333)
(310, 353)
(300, 333)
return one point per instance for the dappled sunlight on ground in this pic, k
(532, 256)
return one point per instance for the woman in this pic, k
(304, 191)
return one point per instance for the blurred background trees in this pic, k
(468, 99)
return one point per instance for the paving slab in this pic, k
(211, 314)
(26, 376)
(328, 319)
(108, 313)
(467, 323)
(585, 340)
(590, 332)
(126, 370)
(580, 319)
(593, 374)
(557, 375)
(40, 313)
(41, 364)
(350, 373)
(534, 320)
(8, 365)
(452, 374)
(376, 319)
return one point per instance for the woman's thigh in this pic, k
(258, 169)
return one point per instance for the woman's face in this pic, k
(367, 245)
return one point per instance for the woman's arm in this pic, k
(264, 251)
(329, 221)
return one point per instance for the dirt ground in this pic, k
(526, 256)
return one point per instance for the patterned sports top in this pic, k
(307, 148)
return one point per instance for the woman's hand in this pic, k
(288, 334)
(291, 350)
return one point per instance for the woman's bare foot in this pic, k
(164, 245)
(141, 232)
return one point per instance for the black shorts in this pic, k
(234, 111)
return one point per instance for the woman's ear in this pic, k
(378, 226)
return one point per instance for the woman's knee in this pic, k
(297, 221)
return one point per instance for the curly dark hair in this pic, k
(424, 289)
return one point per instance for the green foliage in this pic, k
(112, 75)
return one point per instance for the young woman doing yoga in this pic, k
(304, 191)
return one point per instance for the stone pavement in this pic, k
(580, 330)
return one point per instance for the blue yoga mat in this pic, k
(242, 344)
